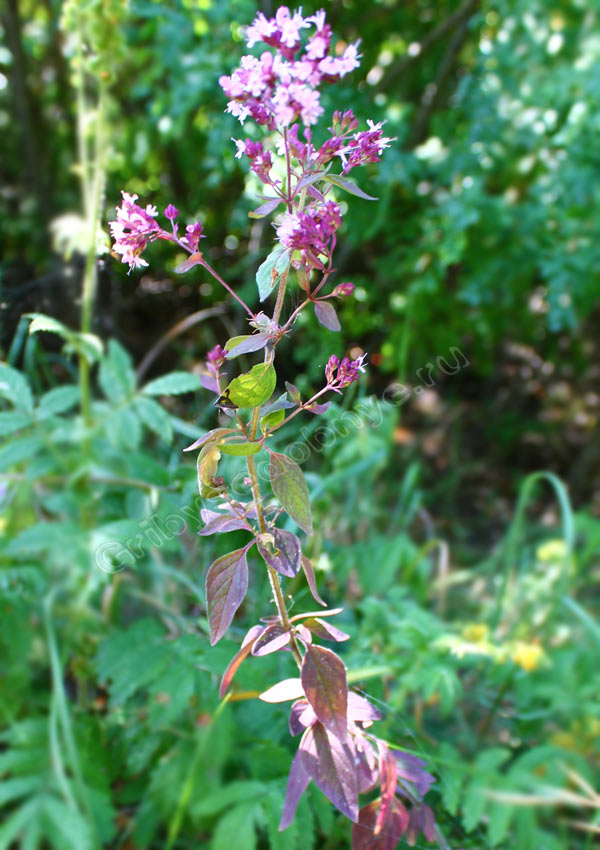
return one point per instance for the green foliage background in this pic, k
(470, 585)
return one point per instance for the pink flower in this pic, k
(296, 100)
(193, 236)
(344, 289)
(282, 87)
(132, 230)
(282, 31)
(341, 374)
(310, 231)
(332, 66)
(367, 146)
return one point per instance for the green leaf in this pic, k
(348, 186)
(270, 271)
(155, 417)
(88, 345)
(272, 419)
(254, 387)
(240, 449)
(13, 420)
(237, 828)
(452, 779)
(68, 829)
(123, 428)
(238, 791)
(41, 322)
(58, 400)
(131, 659)
(14, 387)
(23, 448)
(116, 375)
(289, 486)
(175, 383)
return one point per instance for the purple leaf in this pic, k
(331, 612)
(266, 208)
(311, 178)
(209, 383)
(349, 186)
(296, 786)
(327, 316)
(420, 820)
(360, 710)
(314, 193)
(324, 630)
(330, 764)
(411, 768)
(281, 403)
(194, 260)
(290, 488)
(217, 523)
(387, 776)
(283, 691)
(324, 681)
(363, 833)
(301, 716)
(310, 578)
(215, 434)
(273, 638)
(317, 408)
(293, 392)
(246, 344)
(267, 510)
(303, 635)
(237, 659)
(286, 557)
(367, 763)
(226, 586)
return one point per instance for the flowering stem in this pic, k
(297, 411)
(218, 278)
(288, 169)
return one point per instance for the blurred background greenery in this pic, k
(460, 526)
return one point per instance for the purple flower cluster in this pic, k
(132, 229)
(311, 232)
(261, 161)
(277, 89)
(366, 146)
(135, 226)
(340, 374)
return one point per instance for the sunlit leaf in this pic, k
(290, 488)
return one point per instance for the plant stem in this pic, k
(218, 278)
(62, 709)
(280, 295)
(273, 577)
(92, 188)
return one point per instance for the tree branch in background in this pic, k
(432, 93)
(397, 70)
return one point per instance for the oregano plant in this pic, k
(279, 90)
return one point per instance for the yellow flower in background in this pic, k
(552, 550)
(3, 524)
(476, 632)
(527, 655)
